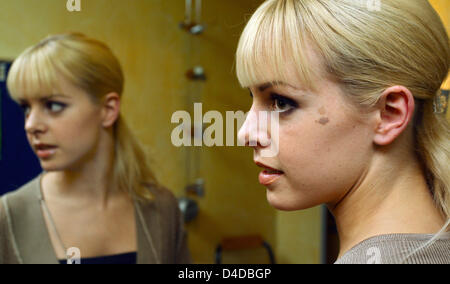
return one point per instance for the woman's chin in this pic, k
(51, 167)
(286, 203)
(279, 203)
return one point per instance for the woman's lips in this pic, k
(267, 177)
(45, 151)
(43, 154)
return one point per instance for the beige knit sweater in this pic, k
(395, 249)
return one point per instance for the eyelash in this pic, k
(279, 98)
(24, 107)
(274, 97)
(48, 105)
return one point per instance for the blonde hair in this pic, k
(365, 51)
(90, 65)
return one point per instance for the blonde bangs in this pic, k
(270, 47)
(32, 75)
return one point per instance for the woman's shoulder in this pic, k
(161, 198)
(161, 209)
(160, 193)
(20, 203)
(23, 195)
(399, 248)
(17, 210)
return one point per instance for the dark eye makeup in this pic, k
(25, 107)
(54, 107)
(280, 103)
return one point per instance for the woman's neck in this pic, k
(90, 181)
(386, 201)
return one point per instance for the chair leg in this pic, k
(270, 252)
(219, 254)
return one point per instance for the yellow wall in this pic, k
(155, 54)
(443, 8)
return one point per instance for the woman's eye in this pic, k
(25, 108)
(282, 104)
(55, 107)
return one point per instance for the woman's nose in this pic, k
(34, 123)
(255, 131)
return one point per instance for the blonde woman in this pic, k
(354, 87)
(97, 199)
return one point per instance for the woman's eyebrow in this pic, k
(265, 86)
(54, 96)
(42, 99)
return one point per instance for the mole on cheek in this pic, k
(323, 120)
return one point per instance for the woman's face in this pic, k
(62, 129)
(324, 147)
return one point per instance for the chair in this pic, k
(243, 243)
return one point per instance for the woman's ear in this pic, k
(110, 109)
(395, 111)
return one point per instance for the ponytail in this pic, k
(433, 139)
(433, 148)
(131, 168)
